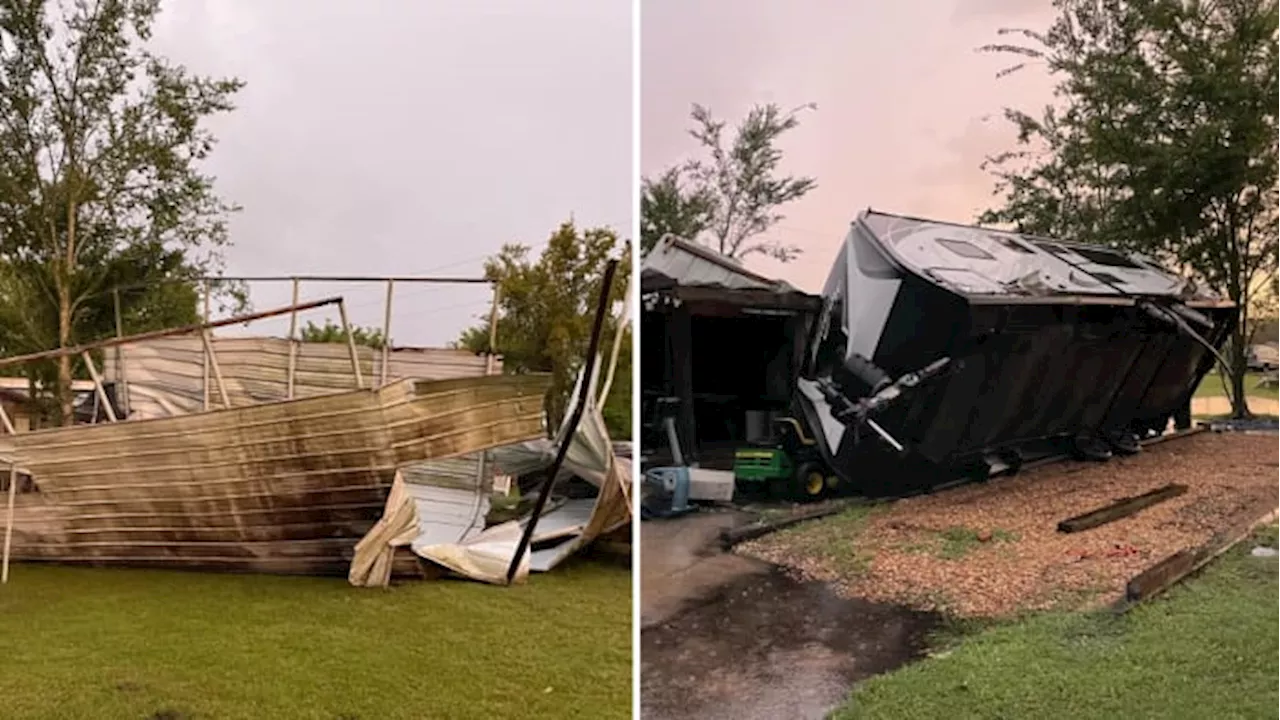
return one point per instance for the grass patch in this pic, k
(81, 643)
(833, 539)
(958, 541)
(1206, 649)
(1212, 386)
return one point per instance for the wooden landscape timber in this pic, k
(1169, 571)
(1120, 509)
(286, 487)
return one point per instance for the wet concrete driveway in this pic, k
(728, 637)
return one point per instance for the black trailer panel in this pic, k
(1050, 344)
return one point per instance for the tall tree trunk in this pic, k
(1239, 403)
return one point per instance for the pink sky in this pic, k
(907, 108)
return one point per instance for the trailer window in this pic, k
(1013, 245)
(1106, 257)
(965, 249)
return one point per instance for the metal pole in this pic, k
(204, 359)
(489, 361)
(122, 379)
(8, 526)
(293, 343)
(97, 385)
(623, 324)
(170, 332)
(584, 396)
(207, 340)
(351, 344)
(386, 333)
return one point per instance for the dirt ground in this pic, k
(993, 549)
(729, 636)
(770, 647)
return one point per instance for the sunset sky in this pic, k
(907, 108)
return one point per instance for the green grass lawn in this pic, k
(1211, 386)
(1205, 650)
(87, 643)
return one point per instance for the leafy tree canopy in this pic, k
(546, 308)
(101, 142)
(332, 332)
(733, 195)
(1163, 139)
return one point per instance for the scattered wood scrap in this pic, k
(731, 537)
(1166, 573)
(1120, 509)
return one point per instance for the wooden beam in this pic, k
(1166, 573)
(1120, 509)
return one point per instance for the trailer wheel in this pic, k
(809, 482)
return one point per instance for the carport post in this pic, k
(571, 427)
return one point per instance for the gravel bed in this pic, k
(993, 549)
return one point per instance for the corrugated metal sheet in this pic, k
(689, 264)
(166, 378)
(283, 487)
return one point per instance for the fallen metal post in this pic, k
(8, 525)
(493, 330)
(571, 427)
(207, 340)
(386, 332)
(351, 345)
(6, 422)
(171, 332)
(204, 359)
(97, 386)
(122, 381)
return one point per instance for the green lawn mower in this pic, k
(789, 465)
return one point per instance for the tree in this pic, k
(667, 207)
(1164, 140)
(735, 193)
(546, 308)
(332, 332)
(100, 146)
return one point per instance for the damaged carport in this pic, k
(724, 342)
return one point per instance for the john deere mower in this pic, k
(788, 465)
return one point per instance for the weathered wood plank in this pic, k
(1169, 571)
(1120, 509)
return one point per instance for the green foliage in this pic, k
(332, 332)
(1163, 140)
(546, 309)
(734, 194)
(667, 206)
(100, 187)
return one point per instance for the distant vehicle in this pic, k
(1262, 358)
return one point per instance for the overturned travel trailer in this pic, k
(945, 350)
